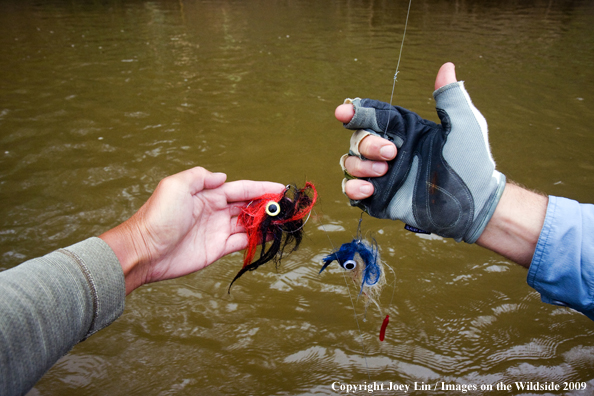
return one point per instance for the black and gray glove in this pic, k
(443, 179)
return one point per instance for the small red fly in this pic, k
(383, 329)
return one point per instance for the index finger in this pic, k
(344, 113)
(371, 147)
(247, 190)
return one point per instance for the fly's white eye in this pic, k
(272, 208)
(349, 265)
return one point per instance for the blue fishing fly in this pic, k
(362, 259)
(368, 258)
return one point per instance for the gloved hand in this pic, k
(443, 179)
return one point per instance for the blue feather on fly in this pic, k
(346, 258)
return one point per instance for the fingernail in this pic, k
(388, 151)
(379, 168)
(365, 189)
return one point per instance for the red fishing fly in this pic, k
(382, 334)
(278, 218)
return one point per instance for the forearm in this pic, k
(49, 304)
(514, 229)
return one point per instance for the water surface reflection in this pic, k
(100, 100)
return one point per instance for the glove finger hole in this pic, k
(356, 139)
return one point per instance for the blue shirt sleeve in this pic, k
(562, 269)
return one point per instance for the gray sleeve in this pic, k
(49, 304)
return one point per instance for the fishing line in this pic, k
(398, 64)
(388, 124)
(352, 303)
(361, 218)
(394, 287)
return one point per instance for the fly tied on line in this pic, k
(371, 276)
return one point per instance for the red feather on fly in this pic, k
(278, 218)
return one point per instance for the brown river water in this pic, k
(99, 100)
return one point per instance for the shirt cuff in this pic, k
(562, 268)
(103, 273)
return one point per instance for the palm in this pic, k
(189, 229)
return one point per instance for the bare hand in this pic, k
(188, 223)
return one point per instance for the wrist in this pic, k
(515, 226)
(130, 253)
(488, 210)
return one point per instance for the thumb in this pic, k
(446, 75)
(196, 179)
(214, 180)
